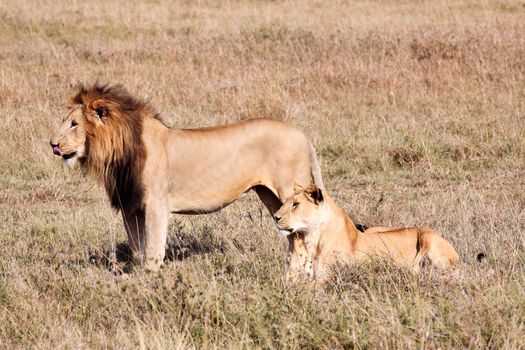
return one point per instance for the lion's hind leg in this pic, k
(439, 251)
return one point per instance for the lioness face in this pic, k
(70, 140)
(301, 211)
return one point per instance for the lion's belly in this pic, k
(204, 200)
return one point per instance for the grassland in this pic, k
(416, 108)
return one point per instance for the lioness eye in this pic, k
(294, 205)
(73, 123)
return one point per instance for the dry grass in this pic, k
(417, 109)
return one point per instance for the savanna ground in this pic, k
(416, 108)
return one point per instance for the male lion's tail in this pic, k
(315, 168)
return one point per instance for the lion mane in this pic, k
(115, 151)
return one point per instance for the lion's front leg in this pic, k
(300, 264)
(156, 231)
(147, 232)
(134, 223)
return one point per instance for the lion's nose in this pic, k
(56, 148)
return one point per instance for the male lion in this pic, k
(150, 170)
(323, 234)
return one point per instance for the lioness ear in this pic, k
(297, 187)
(100, 108)
(315, 193)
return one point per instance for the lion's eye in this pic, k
(295, 205)
(73, 123)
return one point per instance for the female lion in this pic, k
(323, 234)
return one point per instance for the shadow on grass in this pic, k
(117, 259)
(180, 246)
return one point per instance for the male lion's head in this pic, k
(102, 131)
(102, 123)
(301, 211)
(70, 140)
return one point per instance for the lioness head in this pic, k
(301, 211)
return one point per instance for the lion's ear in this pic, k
(315, 193)
(100, 108)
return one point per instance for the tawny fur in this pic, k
(321, 234)
(150, 170)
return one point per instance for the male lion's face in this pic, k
(300, 212)
(70, 140)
